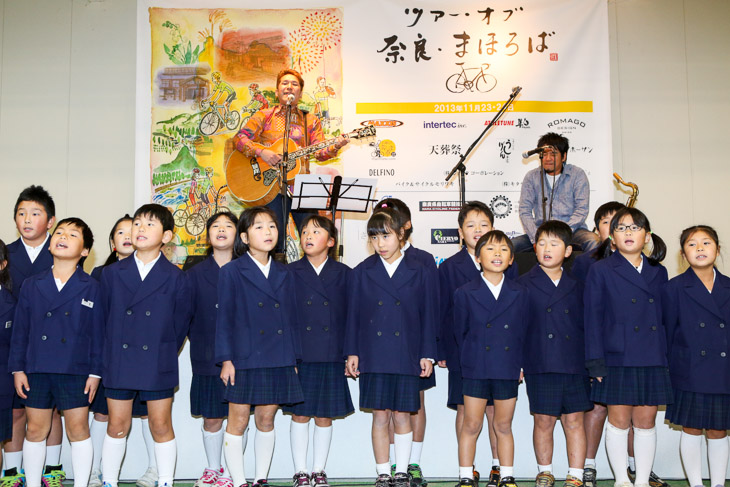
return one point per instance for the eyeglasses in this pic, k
(622, 228)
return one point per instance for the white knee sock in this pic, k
(149, 442)
(507, 471)
(112, 454)
(382, 469)
(690, 449)
(322, 441)
(717, 452)
(233, 447)
(166, 456)
(644, 450)
(213, 445)
(97, 430)
(576, 472)
(82, 456)
(264, 447)
(402, 451)
(53, 455)
(616, 441)
(416, 449)
(13, 459)
(34, 455)
(466, 472)
(391, 458)
(545, 468)
(299, 439)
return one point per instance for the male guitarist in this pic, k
(267, 126)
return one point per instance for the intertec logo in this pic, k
(440, 236)
(443, 125)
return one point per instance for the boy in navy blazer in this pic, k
(55, 353)
(554, 358)
(147, 304)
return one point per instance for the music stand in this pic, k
(325, 192)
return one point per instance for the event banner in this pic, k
(429, 76)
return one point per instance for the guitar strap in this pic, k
(306, 143)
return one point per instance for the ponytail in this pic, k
(659, 251)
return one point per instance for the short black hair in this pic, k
(497, 236)
(37, 194)
(86, 233)
(558, 141)
(5, 280)
(113, 256)
(246, 221)
(606, 209)
(639, 218)
(688, 232)
(400, 207)
(327, 225)
(212, 219)
(478, 206)
(156, 212)
(384, 221)
(555, 228)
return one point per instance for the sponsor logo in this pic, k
(439, 205)
(440, 236)
(564, 122)
(381, 172)
(508, 123)
(382, 123)
(553, 56)
(501, 206)
(443, 125)
(383, 149)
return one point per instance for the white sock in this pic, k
(466, 472)
(392, 455)
(299, 439)
(507, 471)
(264, 447)
(616, 441)
(213, 445)
(53, 455)
(13, 459)
(149, 442)
(82, 456)
(322, 441)
(166, 456)
(690, 449)
(402, 451)
(383, 468)
(495, 462)
(632, 463)
(233, 447)
(545, 468)
(576, 472)
(644, 450)
(416, 449)
(97, 430)
(590, 463)
(112, 454)
(34, 455)
(717, 452)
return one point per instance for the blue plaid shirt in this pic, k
(569, 200)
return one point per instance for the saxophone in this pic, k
(634, 190)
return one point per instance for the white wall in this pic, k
(67, 97)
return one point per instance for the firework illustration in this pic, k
(322, 29)
(304, 54)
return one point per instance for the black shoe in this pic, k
(589, 477)
(467, 482)
(384, 480)
(401, 479)
(493, 477)
(507, 482)
(416, 476)
(261, 483)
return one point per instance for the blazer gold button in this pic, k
(702, 325)
(147, 313)
(380, 333)
(276, 305)
(722, 354)
(397, 303)
(44, 337)
(261, 305)
(550, 335)
(567, 311)
(380, 303)
(125, 346)
(280, 332)
(129, 312)
(653, 328)
(144, 347)
(651, 300)
(506, 327)
(49, 314)
(703, 353)
(722, 325)
(309, 303)
(326, 303)
(397, 333)
(326, 328)
(67, 313)
(309, 328)
(549, 310)
(489, 325)
(506, 349)
(633, 300)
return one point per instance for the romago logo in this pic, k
(382, 123)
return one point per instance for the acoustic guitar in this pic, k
(255, 182)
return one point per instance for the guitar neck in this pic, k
(305, 151)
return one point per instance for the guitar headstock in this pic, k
(368, 131)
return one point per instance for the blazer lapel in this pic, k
(375, 270)
(565, 287)
(698, 292)
(76, 283)
(251, 272)
(277, 274)
(481, 294)
(156, 278)
(627, 271)
(465, 265)
(210, 271)
(129, 275)
(405, 273)
(47, 287)
(507, 297)
(721, 291)
(306, 272)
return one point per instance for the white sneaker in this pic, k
(149, 479)
(209, 478)
(95, 478)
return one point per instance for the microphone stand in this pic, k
(283, 174)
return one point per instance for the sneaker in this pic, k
(95, 478)
(477, 476)
(55, 471)
(149, 478)
(508, 482)
(623, 484)
(392, 471)
(589, 477)
(493, 477)
(384, 480)
(544, 479)
(467, 482)
(301, 479)
(209, 478)
(416, 476)
(53, 479)
(654, 479)
(571, 481)
(223, 482)
(401, 479)
(319, 479)
(261, 483)
(17, 480)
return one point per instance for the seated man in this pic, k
(567, 194)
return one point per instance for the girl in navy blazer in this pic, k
(696, 308)
(207, 390)
(7, 311)
(321, 291)
(257, 340)
(490, 325)
(626, 348)
(390, 339)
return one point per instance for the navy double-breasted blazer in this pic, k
(698, 333)
(623, 314)
(146, 324)
(22, 268)
(256, 325)
(581, 264)
(7, 315)
(490, 333)
(321, 309)
(555, 340)
(58, 332)
(390, 320)
(203, 279)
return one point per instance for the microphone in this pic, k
(528, 153)
(289, 99)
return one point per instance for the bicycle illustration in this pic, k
(216, 118)
(194, 215)
(483, 82)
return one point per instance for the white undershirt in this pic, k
(264, 268)
(143, 268)
(494, 289)
(474, 259)
(391, 268)
(34, 252)
(318, 270)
